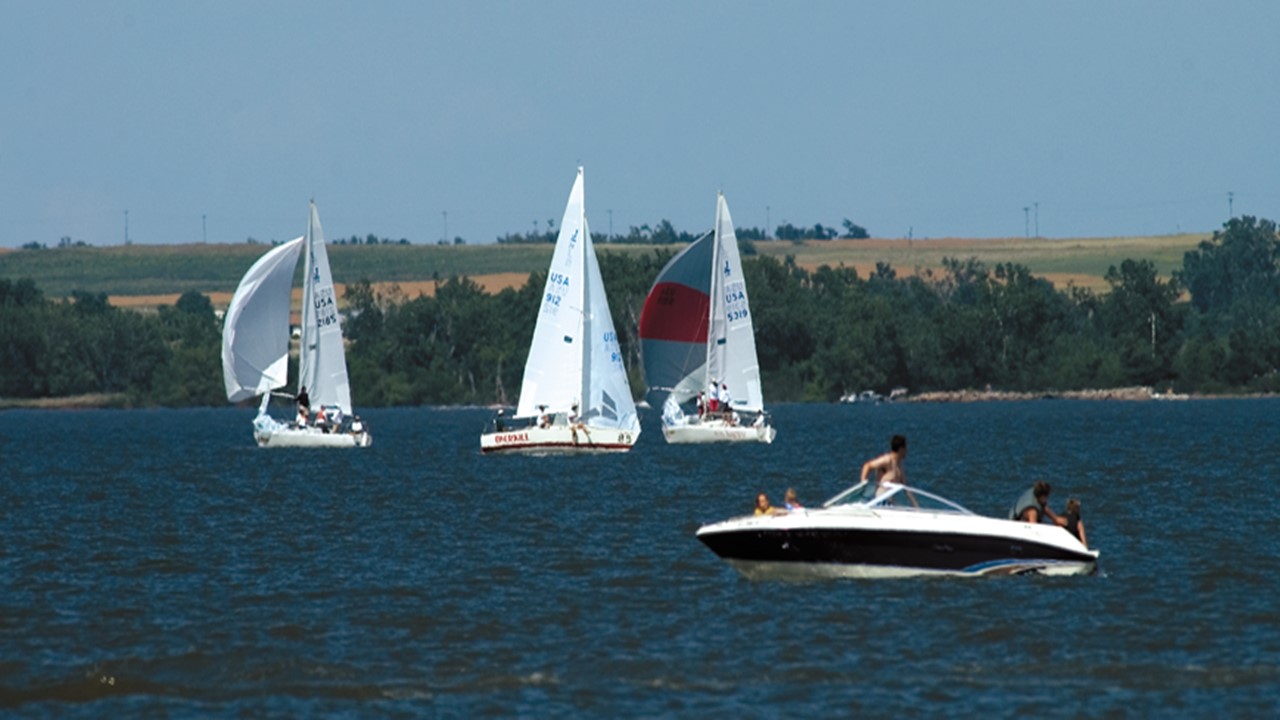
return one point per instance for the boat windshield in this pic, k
(899, 497)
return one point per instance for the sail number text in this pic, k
(326, 310)
(557, 286)
(735, 301)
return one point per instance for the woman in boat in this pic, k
(764, 508)
(1075, 525)
(791, 501)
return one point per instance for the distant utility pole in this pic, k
(1037, 206)
(445, 215)
(204, 237)
(766, 222)
(611, 224)
(1231, 204)
(126, 227)
(1026, 220)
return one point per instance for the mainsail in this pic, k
(322, 363)
(255, 335)
(731, 354)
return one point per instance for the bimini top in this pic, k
(893, 496)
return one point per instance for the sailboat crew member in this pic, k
(304, 405)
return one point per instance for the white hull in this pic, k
(713, 431)
(309, 437)
(559, 439)
(269, 432)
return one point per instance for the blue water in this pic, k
(156, 562)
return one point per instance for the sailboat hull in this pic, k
(271, 433)
(558, 439)
(717, 431)
(292, 437)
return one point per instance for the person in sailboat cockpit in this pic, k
(726, 405)
(304, 405)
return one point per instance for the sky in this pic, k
(197, 121)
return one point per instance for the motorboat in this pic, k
(887, 530)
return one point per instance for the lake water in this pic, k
(156, 562)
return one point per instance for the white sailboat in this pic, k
(697, 337)
(255, 347)
(575, 396)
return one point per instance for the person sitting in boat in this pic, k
(304, 405)
(726, 401)
(499, 422)
(713, 398)
(702, 404)
(764, 508)
(322, 423)
(544, 419)
(1075, 525)
(790, 501)
(1033, 506)
(335, 418)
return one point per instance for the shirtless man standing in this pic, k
(889, 465)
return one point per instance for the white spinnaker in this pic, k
(322, 361)
(255, 331)
(731, 341)
(553, 371)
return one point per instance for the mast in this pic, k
(310, 338)
(585, 325)
(717, 293)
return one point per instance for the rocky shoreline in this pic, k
(1125, 393)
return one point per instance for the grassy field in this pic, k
(165, 271)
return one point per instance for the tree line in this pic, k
(660, 234)
(1214, 326)
(664, 233)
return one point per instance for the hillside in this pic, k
(156, 274)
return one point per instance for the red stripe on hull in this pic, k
(559, 446)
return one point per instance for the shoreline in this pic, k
(91, 401)
(1125, 394)
(118, 401)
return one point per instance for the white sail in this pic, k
(606, 391)
(553, 373)
(731, 341)
(255, 331)
(322, 363)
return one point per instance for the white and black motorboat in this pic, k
(892, 531)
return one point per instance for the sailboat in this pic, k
(698, 342)
(255, 347)
(575, 397)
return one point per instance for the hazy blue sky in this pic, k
(942, 118)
